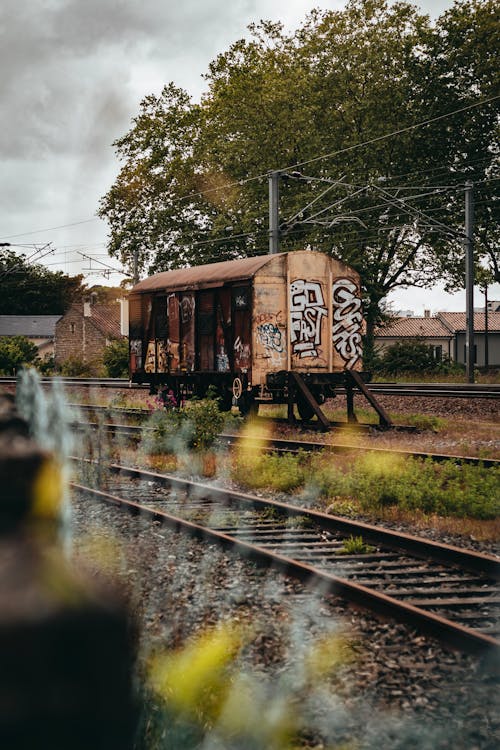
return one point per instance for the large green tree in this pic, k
(465, 64)
(317, 105)
(31, 289)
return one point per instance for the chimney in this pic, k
(88, 303)
(427, 313)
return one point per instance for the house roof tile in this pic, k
(32, 326)
(413, 328)
(456, 321)
(106, 319)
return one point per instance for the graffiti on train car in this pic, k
(307, 310)
(161, 357)
(136, 354)
(347, 321)
(187, 308)
(270, 337)
(241, 354)
(150, 364)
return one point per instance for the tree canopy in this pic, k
(355, 109)
(16, 351)
(31, 289)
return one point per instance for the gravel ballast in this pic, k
(402, 689)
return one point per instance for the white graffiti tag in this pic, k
(270, 336)
(307, 309)
(347, 321)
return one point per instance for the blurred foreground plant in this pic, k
(198, 696)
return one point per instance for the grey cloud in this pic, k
(73, 74)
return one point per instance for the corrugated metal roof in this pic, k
(32, 326)
(414, 328)
(203, 277)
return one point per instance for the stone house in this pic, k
(445, 332)
(39, 329)
(85, 330)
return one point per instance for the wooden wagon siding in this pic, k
(298, 311)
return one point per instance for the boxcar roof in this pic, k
(204, 277)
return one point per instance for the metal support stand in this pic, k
(351, 417)
(384, 418)
(298, 381)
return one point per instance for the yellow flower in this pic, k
(195, 679)
(327, 654)
(47, 490)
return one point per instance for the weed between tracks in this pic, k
(374, 484)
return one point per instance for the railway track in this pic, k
(276, 445)
(428, 390)
(445, 591)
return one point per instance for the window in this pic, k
(437, 352)
(72, 327)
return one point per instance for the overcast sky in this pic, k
(73, 75)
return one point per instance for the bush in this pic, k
(75, 367)
(195, 427)
(16, 351)
(408, 356)
(115, 358)
(45, 366)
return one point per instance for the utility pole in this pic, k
(469, 280)
(486, 352)
(274, 221)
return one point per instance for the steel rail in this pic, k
(294, 446)
(453, 634)
(441, 390)
(474, 561)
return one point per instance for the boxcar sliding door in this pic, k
(206, 331)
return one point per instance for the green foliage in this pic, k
(16, 351)
(283, 473)
(354, 545)
(115, 358)
(31, 289)
(281, 99)
(75, 367)
(412, 358)
(176, 430)
(408, 356)
(425, 422)
(376, 482)
(205, 420)
(447, 489)
(46, 365)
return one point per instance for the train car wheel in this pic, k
(304, 408)
(247, 405)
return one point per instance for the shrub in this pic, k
(408, 356)
(16, 351)
(279, 472)
(45, 366)
(115, 358)
(174, 430)
(75, 367)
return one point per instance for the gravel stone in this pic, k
(402, 689)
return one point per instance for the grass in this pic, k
(376, 483)
(354, 545)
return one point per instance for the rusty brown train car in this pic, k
(274, 328)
